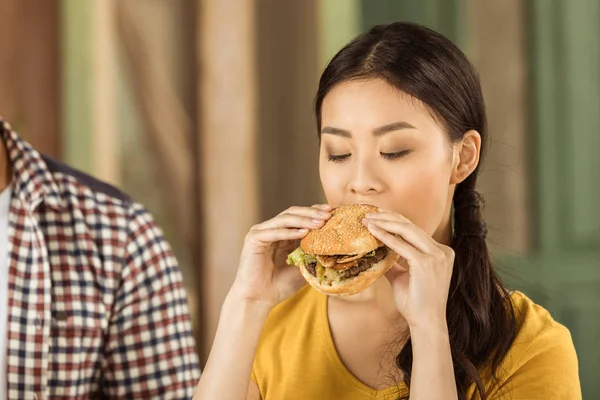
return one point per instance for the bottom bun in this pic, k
(354, 285)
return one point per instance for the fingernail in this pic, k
(303, 230)
(369, 215)
(324, 213)
(324, 206)
(317, 221)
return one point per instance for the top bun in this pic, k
(343, 233)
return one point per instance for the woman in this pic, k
(402, 125)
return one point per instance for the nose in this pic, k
(365, 180)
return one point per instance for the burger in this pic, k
(342, 257)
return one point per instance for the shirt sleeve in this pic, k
(150, 350)
(547, 370)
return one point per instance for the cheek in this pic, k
(333, 182)
(424, 197)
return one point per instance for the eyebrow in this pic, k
(396, 126)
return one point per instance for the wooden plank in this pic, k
(500, 56)
(105, 133)
(89, 88)
(581, 55)
(442, 15)
(168, 128)
(77, 84)
(287, 81)
(566, 78)
(338, 22)
(30, 71)
(227, 94)
(545, 59)
(11, 12)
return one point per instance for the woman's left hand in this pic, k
(421, 278)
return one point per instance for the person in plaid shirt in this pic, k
(93, 303)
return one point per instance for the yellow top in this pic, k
(297, 359)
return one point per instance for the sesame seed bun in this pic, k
(343, 233)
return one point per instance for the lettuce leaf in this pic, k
(299, 257)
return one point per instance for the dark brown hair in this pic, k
(429, 67)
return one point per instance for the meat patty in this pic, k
(312, 268)
(362, 265)
(365, 263)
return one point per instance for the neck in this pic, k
(443, 234)
(379, 298)
(5, 167)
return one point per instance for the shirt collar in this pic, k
(32, 181)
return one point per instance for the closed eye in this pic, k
(337, 158)
(397, 155)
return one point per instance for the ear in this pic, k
(465, 156)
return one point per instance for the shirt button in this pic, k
(38, 323)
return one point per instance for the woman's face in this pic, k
(382, 147)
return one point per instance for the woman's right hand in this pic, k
(263, 274)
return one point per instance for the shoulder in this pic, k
(99, 203)
(538, 329)
(542, 362)
(76, 186)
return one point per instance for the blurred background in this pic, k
(202, 111)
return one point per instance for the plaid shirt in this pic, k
(96, 305)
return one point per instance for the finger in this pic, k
(267, 237)
(411, 233)
(386, 214)
(315, 211)
(397, 244)
(313, 221)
